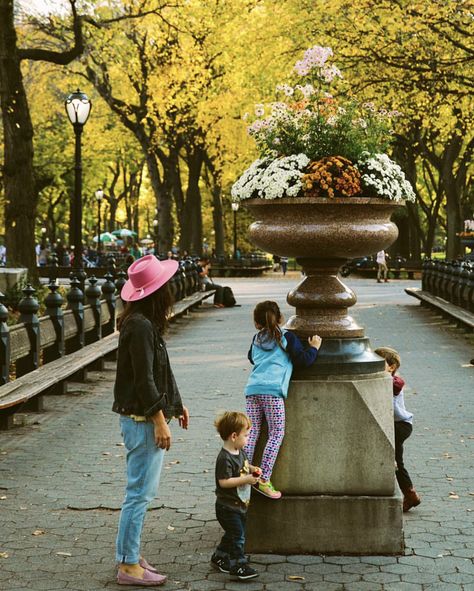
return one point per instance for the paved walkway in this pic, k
(61, 475)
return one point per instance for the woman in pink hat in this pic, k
(146, 397)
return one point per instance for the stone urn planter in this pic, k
(323, 234)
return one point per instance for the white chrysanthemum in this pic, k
(385, 178)
(271, 179)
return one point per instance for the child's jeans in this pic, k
(402, 431)
(144, 461)
(233, 541)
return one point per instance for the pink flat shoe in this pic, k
(149, 579)
(146, 565)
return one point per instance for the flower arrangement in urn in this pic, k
(315, 144)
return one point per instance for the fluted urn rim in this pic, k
(308, 200)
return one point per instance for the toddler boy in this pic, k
(234, 477)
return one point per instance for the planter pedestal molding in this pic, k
(336, 464)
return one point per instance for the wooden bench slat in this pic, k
(452, 310)
(47, 332)
(54, 372)
(19, 342)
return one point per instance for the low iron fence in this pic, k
(88, 314)
(451, 280)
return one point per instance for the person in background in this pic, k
(207, 284)
(382, 269)
(43, 256)
(135, 251)
(3, 255)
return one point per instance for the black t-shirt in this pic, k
(230, 466)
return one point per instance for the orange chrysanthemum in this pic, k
(333, 176)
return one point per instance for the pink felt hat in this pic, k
(145, 276)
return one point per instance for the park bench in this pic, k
(463, 317)
(25, 393)
(396, 269)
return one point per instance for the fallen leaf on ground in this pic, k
(63, 554)
(295, 578)
(38, 532)
(170, 527)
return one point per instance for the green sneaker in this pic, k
(267, 489)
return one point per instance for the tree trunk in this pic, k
(161, 190)
(453, 219)
(113, 206)
(214, 182)
(20, 195)
(193, 200)
(218, 219)
(453, 197)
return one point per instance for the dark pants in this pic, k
(219, 295)
(233, 541)
(402, 431)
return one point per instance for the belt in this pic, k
(138, 418)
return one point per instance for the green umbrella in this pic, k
(105, 237)
(124, 233)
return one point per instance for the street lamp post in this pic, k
(155, 235)
(235, 209)
(99, 195)
(78, 107)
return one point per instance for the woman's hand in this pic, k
(162, 431)
(184, 418)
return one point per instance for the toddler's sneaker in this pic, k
(243, 572)
(267, 489)
(220, 563)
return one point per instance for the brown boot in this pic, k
(410, 499)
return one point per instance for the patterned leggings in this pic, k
(273, 409)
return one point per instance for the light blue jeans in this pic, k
(144, 462)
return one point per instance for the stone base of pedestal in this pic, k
(336, 471)
(325, 524)
(338, 437)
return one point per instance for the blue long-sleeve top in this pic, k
(273, 364)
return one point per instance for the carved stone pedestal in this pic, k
(335, 470)
(336, 466)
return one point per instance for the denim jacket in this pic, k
(144, 383)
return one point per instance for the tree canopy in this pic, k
(171, 82)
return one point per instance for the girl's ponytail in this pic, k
(267, 315)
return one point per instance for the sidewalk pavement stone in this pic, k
(62, 473)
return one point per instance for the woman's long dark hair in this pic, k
(157, 307)
(267, 315)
